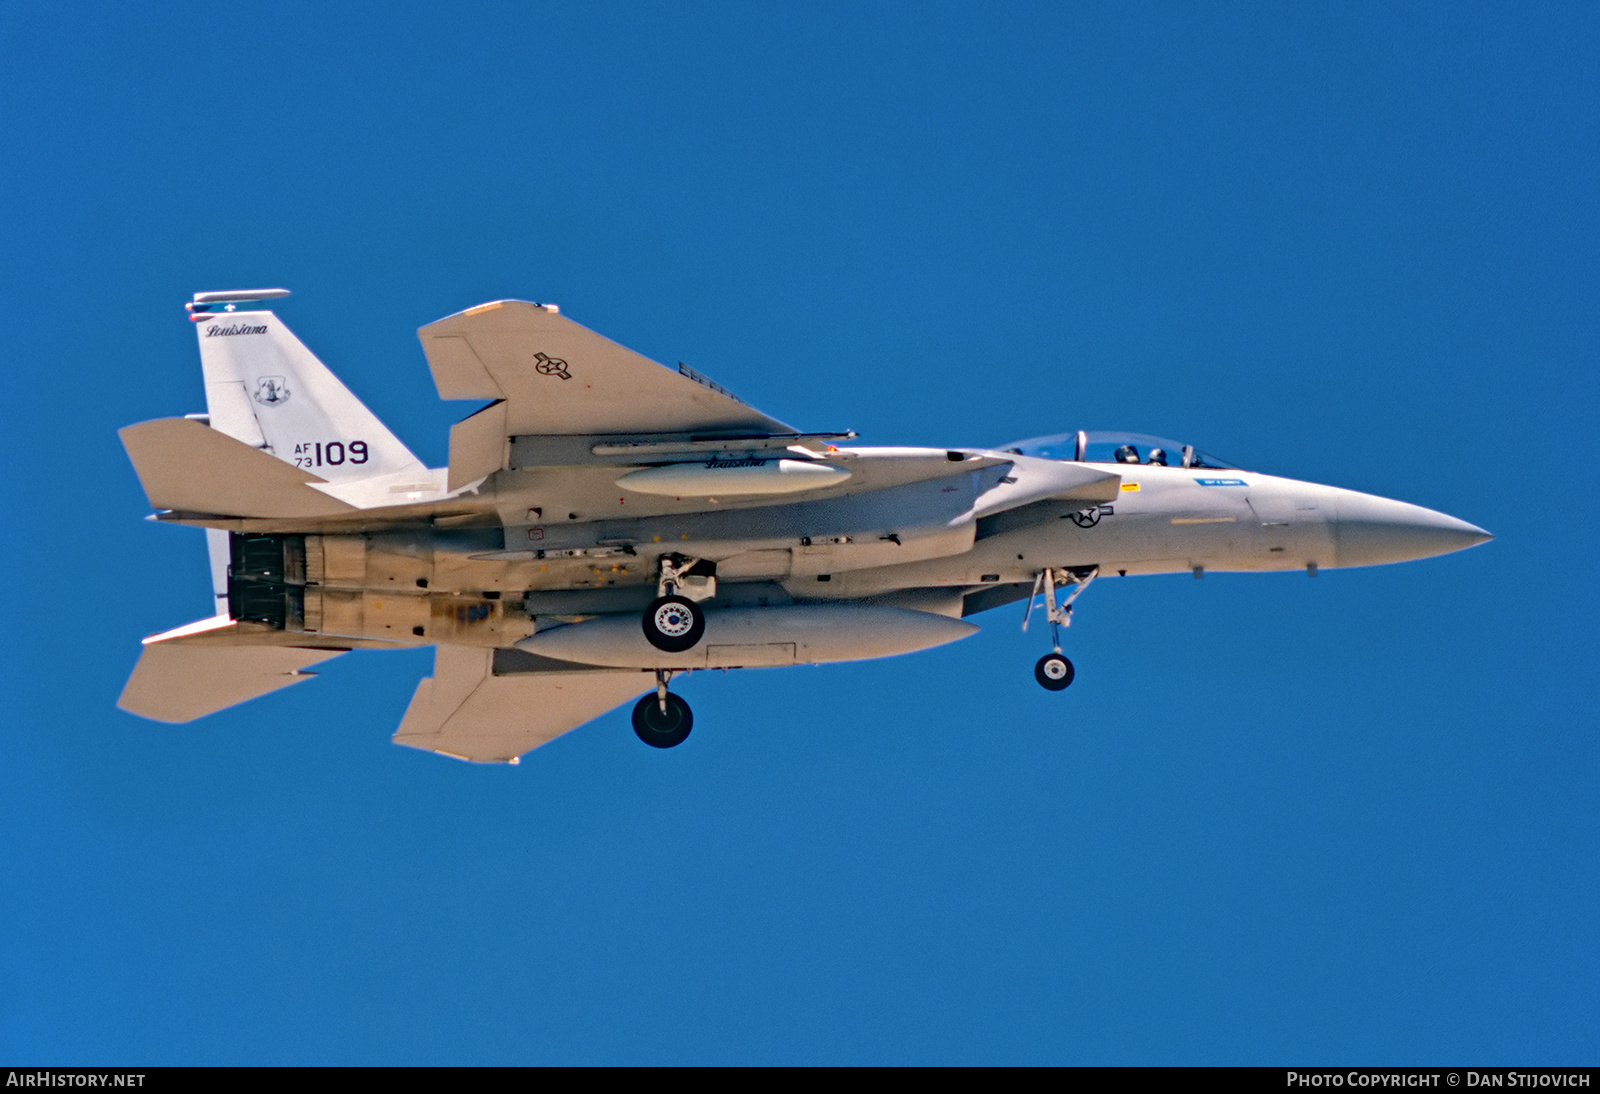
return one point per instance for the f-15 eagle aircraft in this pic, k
(606, 523)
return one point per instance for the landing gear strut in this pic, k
(673, 623)
(1054, 672)
(662, 720)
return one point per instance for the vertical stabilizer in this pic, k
(264, 387)
(218, 553)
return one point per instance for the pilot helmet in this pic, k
(1127, 454)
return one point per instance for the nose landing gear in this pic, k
(1053, 671)
(662, 720)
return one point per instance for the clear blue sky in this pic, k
(1275, 820)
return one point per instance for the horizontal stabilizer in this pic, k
(465, 711)
(192, 468)
(178, 682)
(558, 377)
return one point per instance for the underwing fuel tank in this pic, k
(755, 637)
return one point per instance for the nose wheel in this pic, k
(662, 720)
(1053, 671)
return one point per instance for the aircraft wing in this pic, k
(551, 376)
(466, 711)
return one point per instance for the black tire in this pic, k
(673, 624)
(660, 730)
(1054, 672)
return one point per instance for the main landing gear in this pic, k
(1054, 672)
(662, 720)
(673, 622)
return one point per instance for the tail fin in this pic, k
(264, 387)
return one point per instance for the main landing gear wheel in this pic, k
(1053, 672)
(673, 624)
(662, 728)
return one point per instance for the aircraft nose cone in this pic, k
(1372, 530)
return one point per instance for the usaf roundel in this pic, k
(551, 366)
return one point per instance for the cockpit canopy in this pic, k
(1104, 447)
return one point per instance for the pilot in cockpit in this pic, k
(1123, 448)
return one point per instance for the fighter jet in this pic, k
(607, 523)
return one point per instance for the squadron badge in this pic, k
(272, 391)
